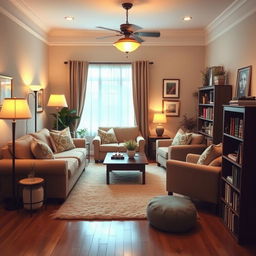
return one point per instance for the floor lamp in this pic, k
(58, 101)
(14, 109)
(35, 89)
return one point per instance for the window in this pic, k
(109, 100)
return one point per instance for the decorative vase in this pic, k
(131, 153)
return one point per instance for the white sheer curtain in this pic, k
(109, 98)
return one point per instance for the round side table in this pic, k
(33, 192)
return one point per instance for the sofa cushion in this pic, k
(163, 151)
(43, 135)
(64, 132)
(72, 165)
(181, 138)
(41, 150)
(113, 147)
(197, 139)
(22, 147)
(62, 140)
(126, 133)
(216, 162)
(210, 153)
(107, 137)
(77, 153)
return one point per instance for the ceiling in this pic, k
(149, 14)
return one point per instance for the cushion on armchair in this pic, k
(210, 153)
(181, 138)
(107, 137)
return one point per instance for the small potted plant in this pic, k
(131, 145)
(81, 133)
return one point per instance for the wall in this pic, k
(23, 57)
(184, 63)
(235, 49)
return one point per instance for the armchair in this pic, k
(122, 134)
(165, 150)
(192, 179)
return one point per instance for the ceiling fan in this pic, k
(132, 38)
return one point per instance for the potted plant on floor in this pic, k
(131, 146)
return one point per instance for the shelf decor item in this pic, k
(14, 109)
(171, 88)
(159, 119)
(243, 82)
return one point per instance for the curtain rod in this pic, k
(151, 62)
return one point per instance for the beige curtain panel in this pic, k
(78, 71)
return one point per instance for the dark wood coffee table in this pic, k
(126, 164)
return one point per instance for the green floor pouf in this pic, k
(171, 213)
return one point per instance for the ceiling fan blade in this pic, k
(135, 27)
(137, 38)
(118, 31)
(103, 37)
(150, 34)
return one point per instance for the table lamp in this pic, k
(35, 89)
(14, 109)
(159, 119)
(58, 101)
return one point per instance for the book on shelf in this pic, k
(243, 102)
(236, 127)
(233, 156)
(231, 197)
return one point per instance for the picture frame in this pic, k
(171, 107)
(40, 101)
(243, 82)
(171, 88)
(6, 88)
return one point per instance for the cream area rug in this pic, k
(124, 198)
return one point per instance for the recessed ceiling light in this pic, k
(69, 18)
(187, 18)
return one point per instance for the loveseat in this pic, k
(122, 134)
(60, 173)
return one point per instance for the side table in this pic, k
(33, 192)
(152, 145)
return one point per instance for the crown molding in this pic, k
(23, 25)
(238, 11)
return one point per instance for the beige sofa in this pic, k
(194, 180)
(165, 150)
(122, 134)
(60, 173)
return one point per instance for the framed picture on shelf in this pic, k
(171, 108)
(40, 101)
(243, 82)
(171, 88)
(5, 88)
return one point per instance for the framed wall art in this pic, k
(243, 82)
(40, 101)
(171, 88)
(171, 107)
(5, 88)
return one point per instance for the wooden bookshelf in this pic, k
(210, 110)
(238, 176)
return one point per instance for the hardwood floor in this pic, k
(21, 234)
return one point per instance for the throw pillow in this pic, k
(41, 150)
(216, 162)
(210, 153)
(182, 138)
(107, 137)
(62, 142)
(64, 132)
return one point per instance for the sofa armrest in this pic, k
(163, 143)
(192, 158)
(96, 145)
(79, 142)
(42, 167)
(141, 143)
(179, 152)
(194, 180)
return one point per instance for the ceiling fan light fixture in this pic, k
(126, 44)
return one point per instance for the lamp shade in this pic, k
(57, 100)
(15, 108)
(126, 44)
(159, 118)
(35, 88)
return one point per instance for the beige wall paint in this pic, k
(184, 63)
(235, 49)
(23, 57)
